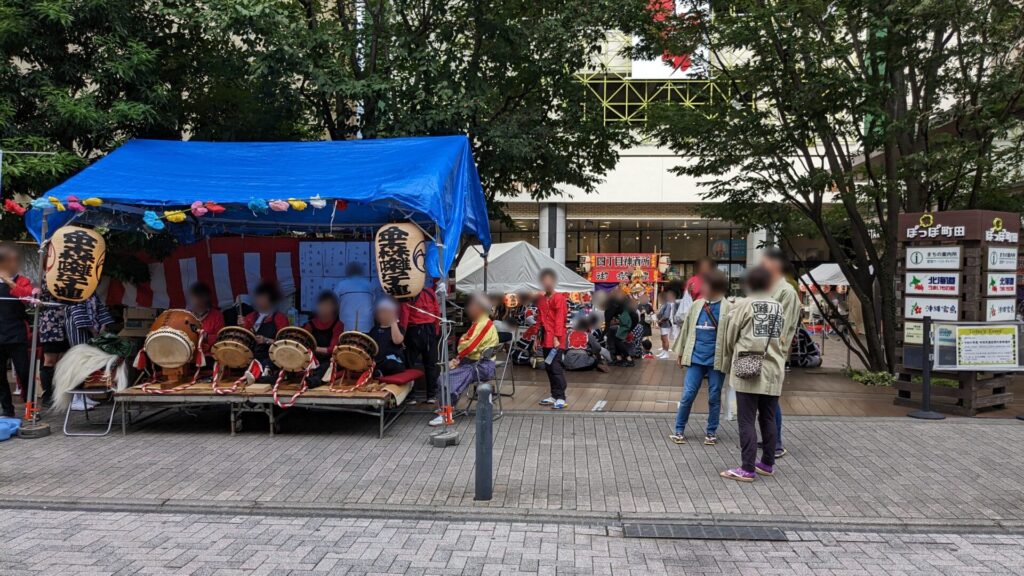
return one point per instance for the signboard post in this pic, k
(956, 267)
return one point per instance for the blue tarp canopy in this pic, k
(430, 180)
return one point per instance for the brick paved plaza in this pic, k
(54, 542)
(866, 472)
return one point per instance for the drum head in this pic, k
(237, 334)
(289, 355)
(169, 349)
(359, 340)
(231, 353)
(352, 358)
(298, 335)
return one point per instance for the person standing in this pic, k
(777, 265)
(754, 357)
(13, 331)
(553, 311)
(693, 285)
(420, 320)
(357, 294)
(666, 328)
(698, 348)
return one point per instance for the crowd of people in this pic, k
(740, 347)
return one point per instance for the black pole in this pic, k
(484, 443)
(926, 412)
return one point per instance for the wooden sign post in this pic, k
(958, 265)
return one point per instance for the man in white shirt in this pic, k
(357, 294)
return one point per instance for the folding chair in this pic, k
(511, 347)
(488, 354)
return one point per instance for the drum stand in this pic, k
(237, 376)
(169, 381)
(300, 388)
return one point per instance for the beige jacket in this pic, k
(755, 324)
(785, 294)
(683, 346)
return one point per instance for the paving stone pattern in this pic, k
(52, 542)
(620, 467)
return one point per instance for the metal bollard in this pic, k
(484, 443)
(926, 412)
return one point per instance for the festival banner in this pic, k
(616, 268)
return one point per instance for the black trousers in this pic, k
(759, 407)
(617, 346)
(556, 374)
(421, 346)
(18, 355)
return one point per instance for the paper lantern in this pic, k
(401, 251)
(74, 262)
(511, 300)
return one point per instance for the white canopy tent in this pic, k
(827, 274)
(513, 267)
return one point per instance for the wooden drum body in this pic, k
(234, 347)
(355, 351)
(173, 339)
(292, 350)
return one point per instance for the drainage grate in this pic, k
(697, 532)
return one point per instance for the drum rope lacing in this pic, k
(200, 363)
(311, 365)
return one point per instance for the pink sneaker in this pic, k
(738, 474)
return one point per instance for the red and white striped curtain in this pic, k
(229, 266)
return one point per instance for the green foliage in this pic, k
(869, 378)
(931, 93)
(80, 77)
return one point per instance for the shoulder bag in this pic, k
(748, 365)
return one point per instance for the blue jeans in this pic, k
(691, 384)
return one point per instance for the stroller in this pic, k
(804, 352)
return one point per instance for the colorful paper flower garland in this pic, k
(155, 221)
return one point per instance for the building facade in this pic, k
(641, 206)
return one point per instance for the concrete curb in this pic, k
(489, 514)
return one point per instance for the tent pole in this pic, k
(448, 436)
(485, 273)
(35, 429)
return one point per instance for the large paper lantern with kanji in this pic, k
(401, 250)
(74, 262)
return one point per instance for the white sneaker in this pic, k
(91, 403)
(547, 401)
(437, 421)
(559, 405)
(663, 355)
(78, 404)
(730, 417)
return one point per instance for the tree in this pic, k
(79, 78)
(845, 113)
(500, 71)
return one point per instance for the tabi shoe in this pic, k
(764, 469)
(738, 474)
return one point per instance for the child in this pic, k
(390, 338)
(325, 327)
(265, 320)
